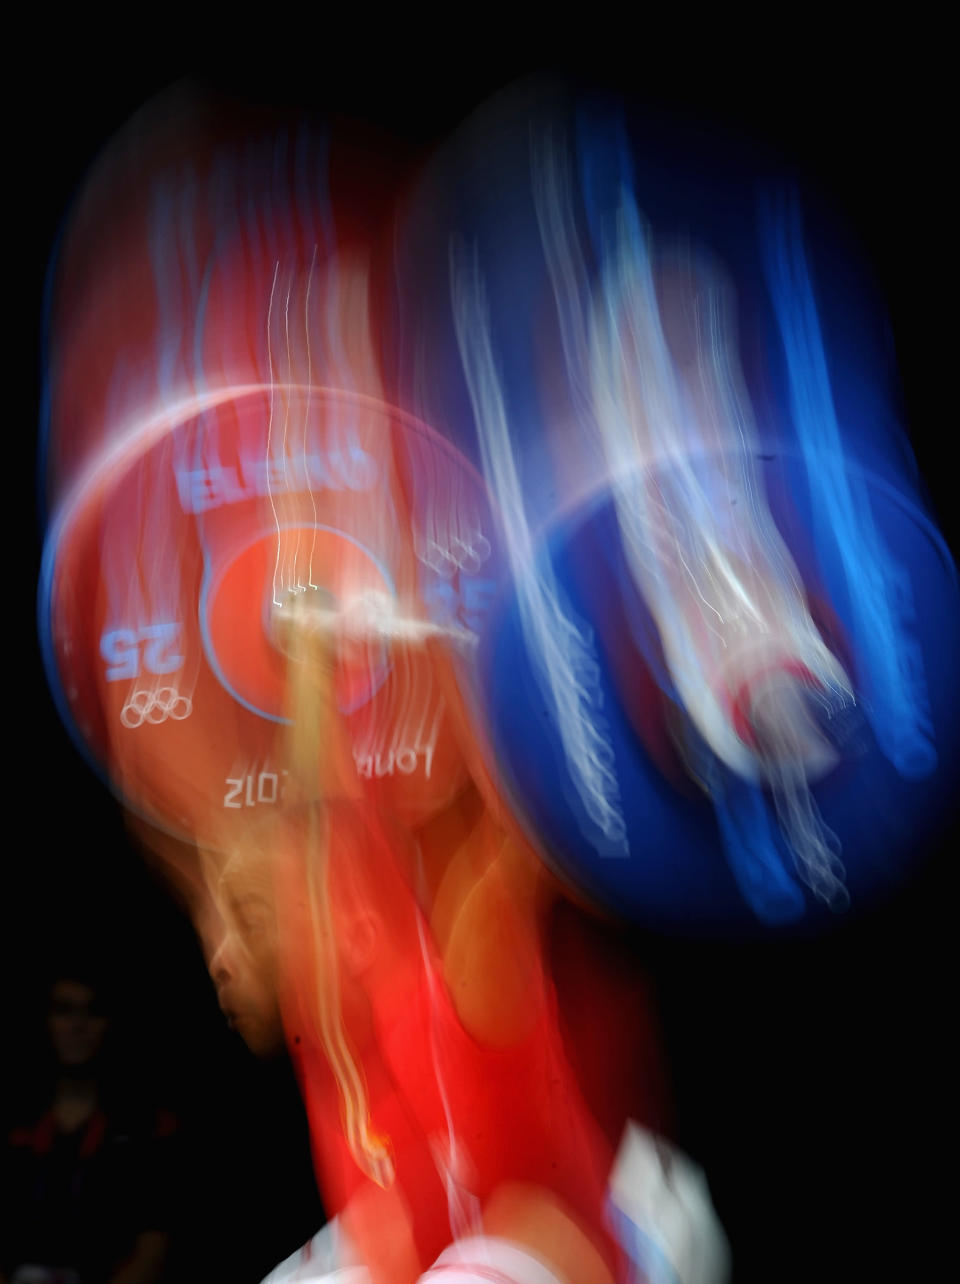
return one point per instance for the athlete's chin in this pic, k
(263, 1038)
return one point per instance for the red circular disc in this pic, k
(166, 565)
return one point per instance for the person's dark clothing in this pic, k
(79, 1200)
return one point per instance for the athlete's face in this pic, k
(254, 965)
(244, 963)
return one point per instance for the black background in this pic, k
(810, 1080)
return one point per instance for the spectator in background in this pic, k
(87, 1177)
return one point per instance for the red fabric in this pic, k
(609, 1023)
(40, 1138)
(517, 1113)
(517, 1116)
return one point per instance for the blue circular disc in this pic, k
(670, 853)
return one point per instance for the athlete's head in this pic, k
(243, 947)
(312, 904)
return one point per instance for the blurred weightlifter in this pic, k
(406, 968)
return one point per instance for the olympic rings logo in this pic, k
(457, 556)
(155, 707)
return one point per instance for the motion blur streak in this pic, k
(658, 358)
(561, 647)
(897, 702)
